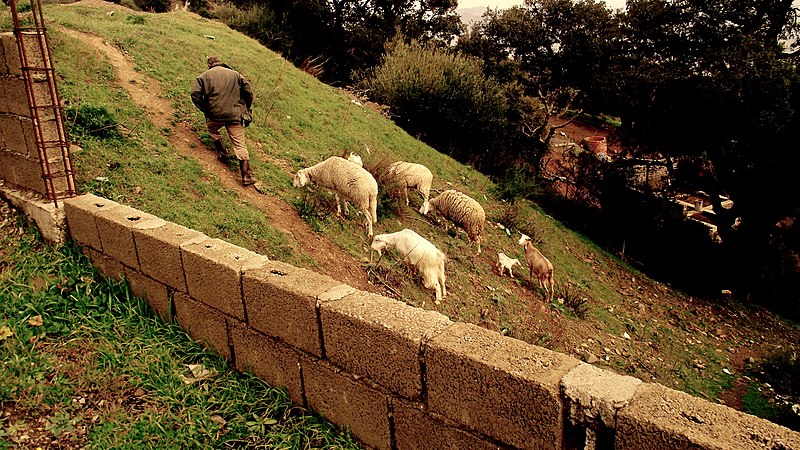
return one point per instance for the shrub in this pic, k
(444, 99)
(135, 19)
(256, 21)
(517, 183)
(158, 6)
(91, 120)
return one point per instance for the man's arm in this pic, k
(199, 96)
(246, 92)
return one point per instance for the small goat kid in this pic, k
(538, 265)
(505, 263)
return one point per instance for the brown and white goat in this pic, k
(540, 266)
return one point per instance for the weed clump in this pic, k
(91, 121)
(573, 299)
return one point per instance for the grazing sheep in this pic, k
(463, 211)
(350, 181)
(413, 175)
(538, 265)
(420, 253)
(505, 263)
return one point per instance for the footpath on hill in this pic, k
(146, 93)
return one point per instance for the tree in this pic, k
(558, 50)
(349, 35)
(715, 80)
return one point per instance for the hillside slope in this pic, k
(139, 67)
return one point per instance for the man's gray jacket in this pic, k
(222, 93)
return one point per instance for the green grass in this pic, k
(100, 370)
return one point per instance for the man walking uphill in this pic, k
(224, 96)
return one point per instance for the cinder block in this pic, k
(159, 251)
(664, 419)
(36, 50)
(416, 429)
(498, 386)
(205, 325)
(282, 302)
(22, 172)
(214, 270)
(13, 97)
(592, 397)
(11, 53)
(29, 138)
(6, 171)
(593, 394)
(13, 134)
(363, 325)
(347, 402)
(105, 265)
(156, 294)
(49, 133)
(268, 359)
(115, 227)
(81, 212)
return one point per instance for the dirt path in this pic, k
(146, 93)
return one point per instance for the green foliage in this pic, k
(256, 20)
(517, 183)
(136, 19)
(157, 6)
(446, 100)
(87, 120)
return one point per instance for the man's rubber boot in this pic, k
(222, 153)
(247, 175)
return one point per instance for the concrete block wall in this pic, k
(20, 164)
(398, 377)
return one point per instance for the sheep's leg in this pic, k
(405, 192)
(438, 298)
(368, 224)
(338, 207)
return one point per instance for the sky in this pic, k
(503, 4)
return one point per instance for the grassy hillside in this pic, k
(604, 311)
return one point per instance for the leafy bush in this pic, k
(446, 100)
(256, 21)
(153, 5)
(517, 183)
(91, 120)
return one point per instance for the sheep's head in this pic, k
(379, 243)
(524, 239)
(300, 179)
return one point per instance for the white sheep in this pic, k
(463, 211)
(350, 181)
(420, 253)
(538, 265)
(506, 263)
(412, 175)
